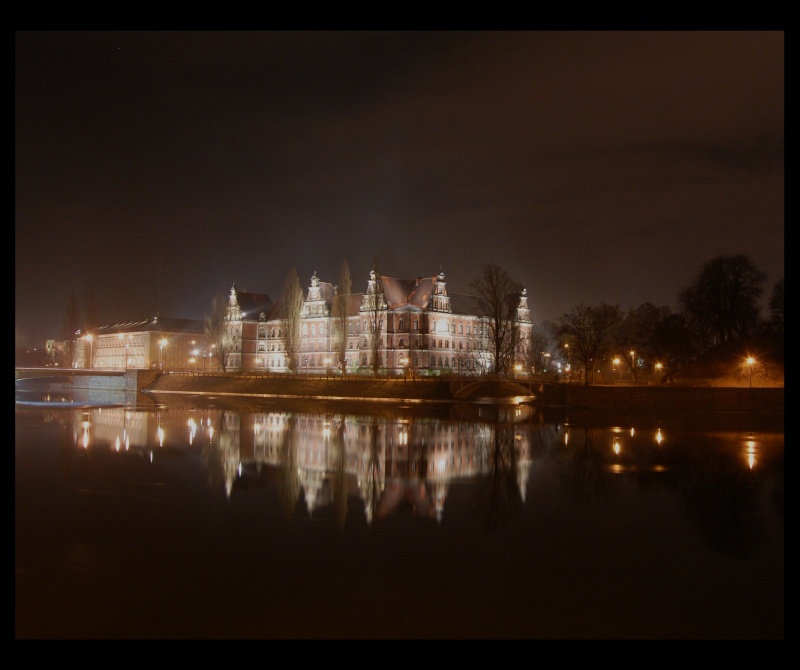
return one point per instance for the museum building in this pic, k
(422, 329)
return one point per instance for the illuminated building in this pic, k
(422, 329)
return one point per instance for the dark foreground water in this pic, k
(187, 521)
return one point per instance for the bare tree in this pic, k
(633, 339)
(293, 304)
(540, 345)
(70, 325)
(375, 308)
(341, 303)
(497, 296)
(217, 328)
(589, 331)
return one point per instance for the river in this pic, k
(204, 519)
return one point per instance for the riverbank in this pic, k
(437, 391)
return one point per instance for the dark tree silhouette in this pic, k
(722, 303)
(776, 306)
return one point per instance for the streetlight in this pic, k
(633, 365)
(750, 362)
(89, 338)
(614, 363)
(161, 344)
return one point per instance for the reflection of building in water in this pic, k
(124, 428)
(388, 463)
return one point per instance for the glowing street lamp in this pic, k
(633, 364)
(750, 362)
(614, 363)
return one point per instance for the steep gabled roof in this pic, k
(412, 292)
(464, 303)
(252, 304)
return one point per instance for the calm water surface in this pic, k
(195, 519)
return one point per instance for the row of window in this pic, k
(357, 328)
(324, 361)
(354, 344)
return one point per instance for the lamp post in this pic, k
(161, 344)
(750, 362)
(89, 339)
(614, 363)
(633, 365)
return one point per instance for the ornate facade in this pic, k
(419, 326)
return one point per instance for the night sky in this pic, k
(154, 169)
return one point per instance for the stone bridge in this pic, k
(111, 380)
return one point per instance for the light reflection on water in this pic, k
(463, 521)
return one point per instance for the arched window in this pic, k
(313, 330)
(305, 330)
(351, 329)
